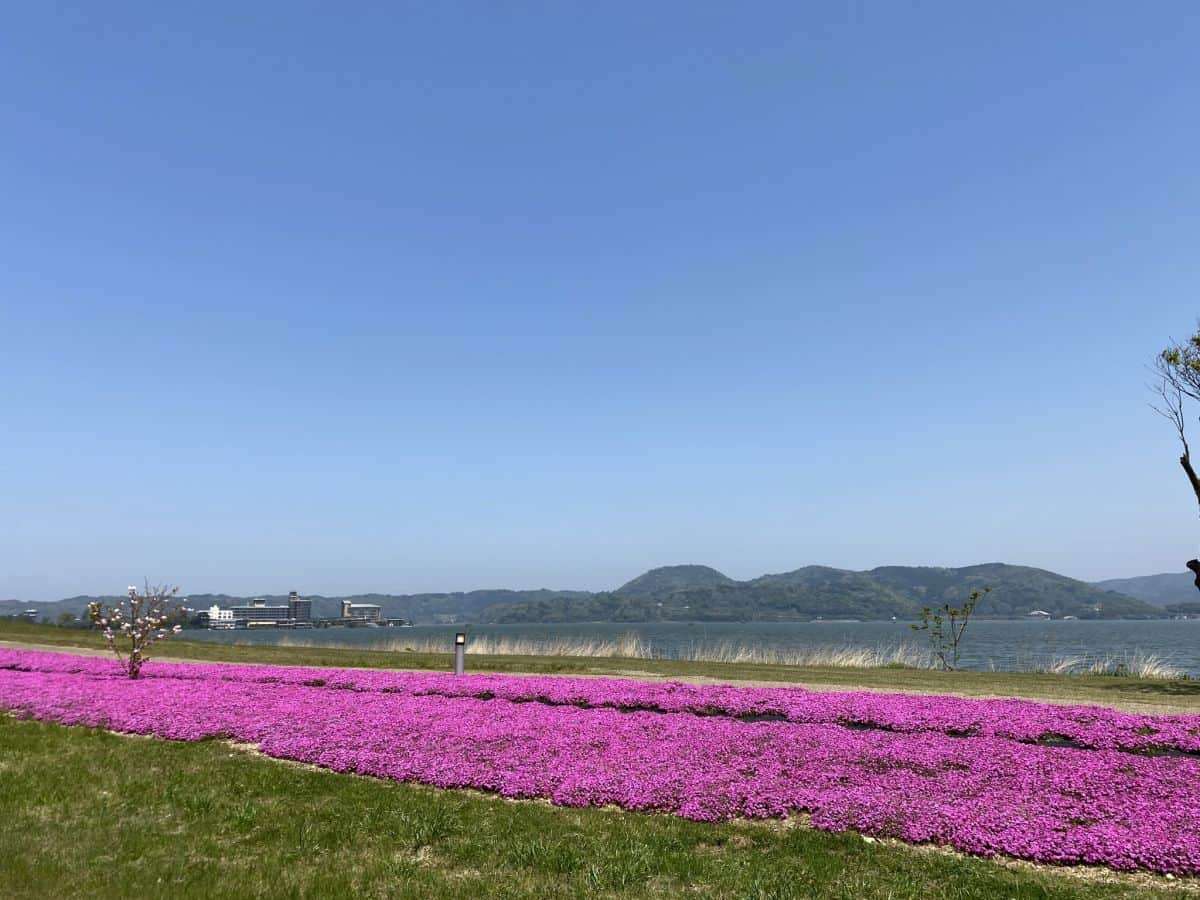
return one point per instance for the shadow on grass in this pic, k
(1179, 689)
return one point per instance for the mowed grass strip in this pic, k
(87, 813)
(1133, 694)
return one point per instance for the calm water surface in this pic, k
(1002, 644)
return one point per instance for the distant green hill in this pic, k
(699, 593)
(1016, 591)
(667, 579)
(1160, 590)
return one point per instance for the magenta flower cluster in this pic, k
(1028, 721)
(963, 773)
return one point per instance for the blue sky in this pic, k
(446, 296)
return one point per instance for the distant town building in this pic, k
(258, 614)
(296, 614)
(300, 608)
(354, 613)
(217, 617)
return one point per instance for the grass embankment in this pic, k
(1137, 694)
(87, 813)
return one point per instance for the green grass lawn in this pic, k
(1142, 695)
(86, 813)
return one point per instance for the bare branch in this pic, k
(1171, 409)
(1179, 366)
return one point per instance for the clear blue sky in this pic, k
(437, 296)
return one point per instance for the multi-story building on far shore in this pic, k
(301, 609)
(217, 617)
(356, 613)
(298, 613)
(257, 614)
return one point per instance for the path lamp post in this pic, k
(460, 652)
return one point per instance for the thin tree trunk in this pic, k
(1186, 462)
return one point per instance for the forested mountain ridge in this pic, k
(1160, 590)
(698, 593)
(701, 593)
(667, 579)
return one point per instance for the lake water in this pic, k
(998, 644)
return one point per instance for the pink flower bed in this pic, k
(1092, 727)
(909, 778)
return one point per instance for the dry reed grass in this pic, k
(1130, 664)
(633, 646)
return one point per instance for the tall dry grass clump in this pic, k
(852, 657)
(1130, 664)
(629, 646)
(633, 646)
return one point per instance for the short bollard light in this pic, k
(460, 653)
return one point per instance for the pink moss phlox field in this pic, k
(981, 794)
(1020, 720)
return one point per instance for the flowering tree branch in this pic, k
(132, 625)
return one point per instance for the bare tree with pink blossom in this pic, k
(132, 625)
